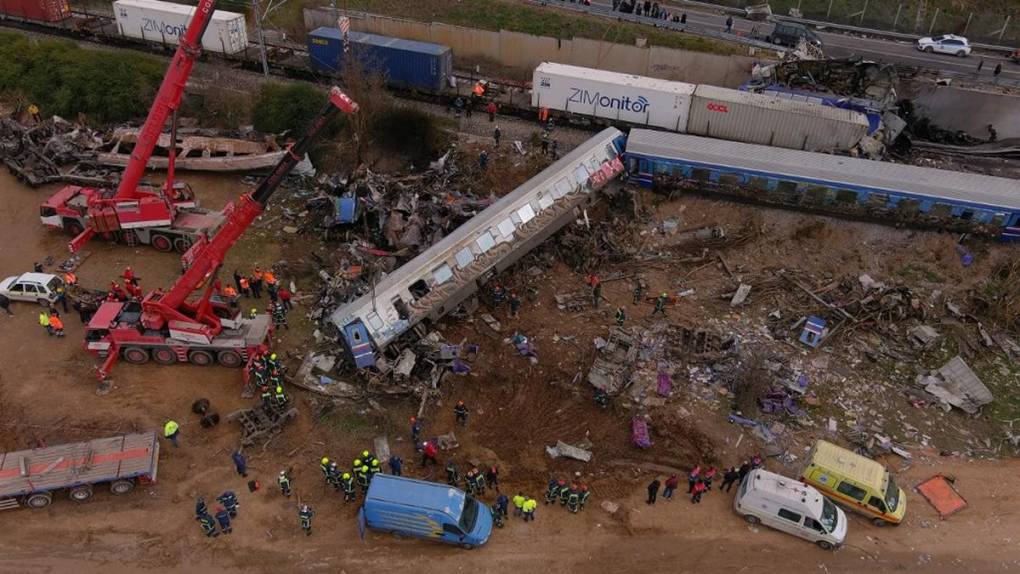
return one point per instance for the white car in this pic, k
(948, 44)
(36, 287)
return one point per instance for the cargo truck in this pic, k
(420, 509)
(32, 477)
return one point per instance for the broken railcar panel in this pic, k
(821, 182)
(436, 281)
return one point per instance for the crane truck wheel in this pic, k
(229, 359)
(200, 358)
(164, 356)
(136, 355)
(161, 243)
(73, 228)
(39, 500)
(81, 493)
(182, 244)
(122, 486)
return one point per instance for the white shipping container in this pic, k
(620, 97)
(769, 120)
(166, 22)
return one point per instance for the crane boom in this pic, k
(206, 256)
(168, 98)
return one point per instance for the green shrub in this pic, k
(409, 132)
(65, 80)
(282, 107)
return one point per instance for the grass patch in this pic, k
(537, 20)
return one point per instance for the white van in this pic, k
(793, 507)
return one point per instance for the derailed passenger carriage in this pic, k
(440, 278)
(918, 196)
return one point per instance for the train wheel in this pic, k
(229, 359)
(122, 486)
(73, 228)
(81, 493)
(164, 356)
(162, 243)
(136, 355)
(200, 358)
(182, 244)
(39, 500)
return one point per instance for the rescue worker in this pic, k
(285, 297)
(201, 509)
(57, 325)
(256, 283)
(284, 481)
(374, 469)
(280, 400)
(756, 461)
(267, 400)
(483, 159)
(692, 478)
(172, 432)
(129, 276)
(497, 516)
(356, 465)
(697, 491)
(729, 477)
(470, 485)
(492, 477)
(5, 304)
(552, 492)
(601, 398)
(479, 482)
(515, 304)
(415, 430)
(305, 514)
(620, 316)
(230, 294)
(324, 467)
(61, 298)
(367, 457)
(245, 286)
(708, 476)
(396, 465)
(428, 453)
(229, 501)
(460, 412)
(347, 484)
(452, 474)
(639, 292)
(223, 517)
(280, 316)
(70, 279)
(362, 474)
(253, 313)
(596, 294)
(670, 486)
(208, 525)
(334, 475)
(660, 305)
(273, 363)
(585, 493)
(44, 322)
(519, 499)
(574, 499)
(564, 492)
(528, 508)
(117, 292)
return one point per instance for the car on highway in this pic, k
(791, 33)
(35, 287)
(948, 44)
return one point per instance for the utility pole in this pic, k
(261, 37)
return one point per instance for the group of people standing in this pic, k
(699, 480)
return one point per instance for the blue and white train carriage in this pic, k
(843, 185)
(440, 278)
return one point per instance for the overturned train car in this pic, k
(440, 278)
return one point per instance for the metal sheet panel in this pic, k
(40, 10)
(613, 96)
(773, 120)
(978, 190)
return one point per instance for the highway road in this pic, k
(838, 45)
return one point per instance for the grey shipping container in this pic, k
(768, 120)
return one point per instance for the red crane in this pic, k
(166, 218)
(174, 326)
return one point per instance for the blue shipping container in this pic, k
(404, 63)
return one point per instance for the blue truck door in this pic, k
(360, 345)
(362, 525)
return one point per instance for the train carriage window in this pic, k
(786, 187)
(700, 174)
(758, 183)
(581, 174)
(816, 194)
(374, 321)
(544, 201)
(909, 206)
(401, 308)
(967, 214)
(941, 210)
(730, 179)
(418, 289)
(663, 168)
(485, 241)
(442, 274)
(464, 257)
(594, 164)
(643, 166)
(562, 188)
(878, 199)
(610, 151)
(846, 196)
(983, 216)
(999, 219)
(507, 228)
(526, 213)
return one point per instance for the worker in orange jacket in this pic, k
(57, 325)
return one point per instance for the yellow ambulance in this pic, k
(855, 482)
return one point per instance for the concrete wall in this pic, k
(524, 51)
(967, 110)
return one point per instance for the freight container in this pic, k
(772, 120)
(404, 63)
(612, 96)
(165, 23)
(39, 10)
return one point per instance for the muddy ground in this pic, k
(48, 396)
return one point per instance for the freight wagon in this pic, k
(31, 477)
(612, 96)
(920, 196)
(40, 10)
(441, 277)
(166, 23)
(404, 63)
(774, 121)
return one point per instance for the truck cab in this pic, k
(425, 510)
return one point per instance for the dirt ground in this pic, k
(47, 396)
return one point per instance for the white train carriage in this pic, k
(441, 277)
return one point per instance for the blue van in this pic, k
(423, 509)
